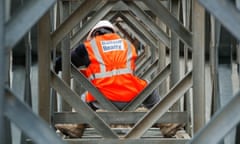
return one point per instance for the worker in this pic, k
(109, 62)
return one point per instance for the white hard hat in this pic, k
(102, 23)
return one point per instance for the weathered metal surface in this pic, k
(159, 109)
(31, 124)
(23, 21)
(75, 101)
(120, 117)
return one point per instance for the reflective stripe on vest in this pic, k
(103, 73)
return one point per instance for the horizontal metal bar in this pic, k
(127, 141)
(159, 10)
(159, 109)
(82, 108)
(120, 117)
(86, 84)
(31, 124)
(226, 12)
(23, 21)
(220, 124)
(149, 89)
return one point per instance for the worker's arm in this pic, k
(79, 57)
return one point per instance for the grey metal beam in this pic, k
(127, 141)
(82, 108)
(238, 4)
(93, 90)
(146, 61)
(150, 70)
(23, 21)
(159, 109)
(175, 52)
(151, 38)
(78, 15)
(65, 52)
(198, 23)
(136, 23)
(90, 23)
(141, 31)
(120, 117)
(159, 10)
(226, 12)
(3, 67)
(162, 36)
(82, 33)
(133, 31)
(149, 89)
(140, 57)
(44, 58)
(32, 125)
(221, 123)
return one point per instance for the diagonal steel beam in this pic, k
(141, 31)
(151, 69)
(126, 16)
(143, 64)
(32, 125)
(162, 36)
(158, 110)
(226, 12)
(221, 123)
(149, 89)
(93, 90)
(90, 23)
(132, 30)
(78, 15)
(159, 10)
(23, 21)
(75, 101)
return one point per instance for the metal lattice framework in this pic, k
(162, 31)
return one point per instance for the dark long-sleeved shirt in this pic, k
(79, 57)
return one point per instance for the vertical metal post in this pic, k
(27, 90)
(186, 8)
(2, 66)
(65, 49)
(44, 59)
(237, 140)
(162, 59)
(175, 58)
(198, 67)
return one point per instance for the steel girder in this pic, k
(228, 15)
(226, 12)
(27, 121)
(23, 21)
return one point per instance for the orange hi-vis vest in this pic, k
(111, 69)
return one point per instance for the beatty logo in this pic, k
(112, 45)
